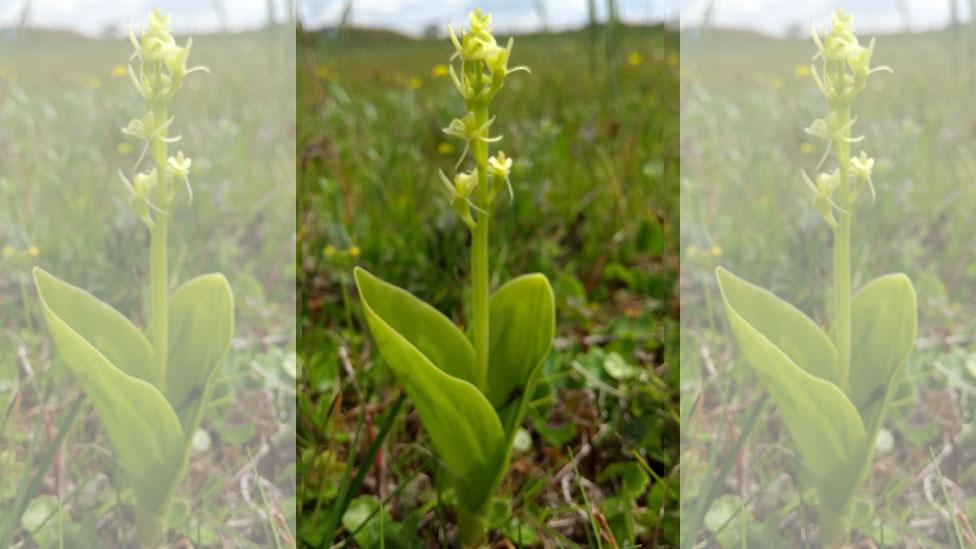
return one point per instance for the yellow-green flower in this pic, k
(33, 251)
(635, 59)
(330, 250)
(823, 191)
(440, 71)
(140, 189)
(445, 148)
(499, 165)
(354, 251)
(415, 82)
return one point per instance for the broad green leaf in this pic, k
(883, 334)
(462, 425)
(432, 333)
(201, 325)
(784, 325)
(140, 424)
(108, 330)
(825, 426)
(522, 319)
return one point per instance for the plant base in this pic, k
(471, 527)
(835, 527)
(151, 528)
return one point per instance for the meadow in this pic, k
(594, 131)
(746, 100)
(63, 100)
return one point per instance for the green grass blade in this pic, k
(28, 487)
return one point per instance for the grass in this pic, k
(747, 100)
(594, 132)
(63, 99)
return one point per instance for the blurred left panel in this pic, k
(147, 307)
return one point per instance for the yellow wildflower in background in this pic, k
(777, 83)
(119, 71)
(439, 71)
(445, 148)
(354, 251)
(322, 71)
(123, 148)
(33, 251)
(94, 83)
(415, 82)
(801, 71)
(635, 58)
(8, 250)
(330, 250)
(807, 148)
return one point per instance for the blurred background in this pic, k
(594, 134)
(64, 96)
(747, 95)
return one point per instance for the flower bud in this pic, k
(459, 193)
(823, 191)
(140, 189)
(499, 168)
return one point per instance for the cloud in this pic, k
(777, 16)
(412, 16)
(94, 16)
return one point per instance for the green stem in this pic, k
(158, 268)
(151, 527)
(25, 300)
(834, 527)
(479, 253)
(842, 255)
(471, 527)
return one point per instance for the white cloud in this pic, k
(412, 16)
(776, 16)
(94, 16)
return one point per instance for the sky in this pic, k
(778, 16)
(92, 17)
(413, 16)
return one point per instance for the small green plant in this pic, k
(150, 390)
(471, 391)
(831, 391)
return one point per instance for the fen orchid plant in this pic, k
(150, 390)
(831, 390)
(471, 391)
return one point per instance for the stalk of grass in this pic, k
(698, 515)
(959, 541)
(349, 486)
(586, 501)
(29, 484)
